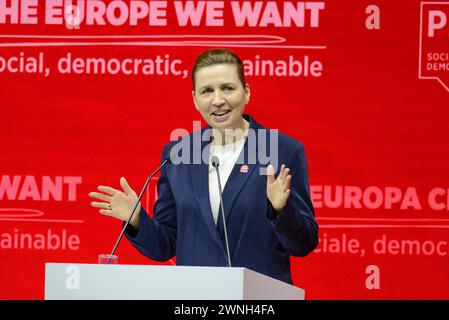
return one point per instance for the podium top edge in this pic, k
(143, 265)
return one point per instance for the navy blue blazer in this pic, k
(259, 238)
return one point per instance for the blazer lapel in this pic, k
(242, 171)
(238, 178)
(199, 174)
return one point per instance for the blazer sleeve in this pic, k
(156, 237)
(295, 226)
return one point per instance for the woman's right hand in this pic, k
(116, 203)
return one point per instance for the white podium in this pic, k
(64, 281)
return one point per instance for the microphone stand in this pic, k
(215, 164)
(135, 207)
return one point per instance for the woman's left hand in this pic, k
(278, 190)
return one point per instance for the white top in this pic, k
(227, 155)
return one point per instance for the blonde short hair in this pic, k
(219, 56)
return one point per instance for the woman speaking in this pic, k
(268, 211)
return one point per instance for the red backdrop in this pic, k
(363, 87)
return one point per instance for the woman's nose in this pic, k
(218, 98)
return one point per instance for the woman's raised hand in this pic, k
(278, 190)
(116, 203)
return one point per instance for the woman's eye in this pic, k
(228, 88)
(207, 90)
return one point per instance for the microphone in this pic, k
(215, 164)
(166, 160)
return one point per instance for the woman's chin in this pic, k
(221, 125)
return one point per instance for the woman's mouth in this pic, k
(220, 116)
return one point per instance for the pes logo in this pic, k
(434, 42)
